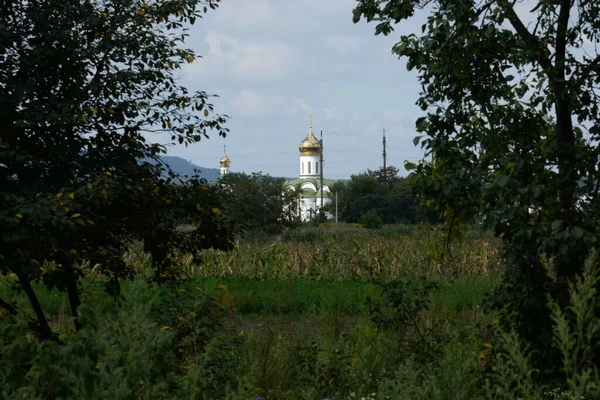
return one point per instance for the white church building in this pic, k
(311, 195)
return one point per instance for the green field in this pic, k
(315, 313)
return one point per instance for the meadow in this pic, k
(329, 312)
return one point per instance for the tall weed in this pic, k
(576, 335)
(350, 253)
(123, 352)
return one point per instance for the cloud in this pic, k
(301, 105)
(399, 122)
(333, 113)
(343, 44)
(273, 62)
(222, 46)
(330, 7)
(229, 58)
(252, 103)
(264, 60)
(245, 14)
(374, 127)
(397, 116)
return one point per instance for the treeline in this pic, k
(382, 193)
(259, 202)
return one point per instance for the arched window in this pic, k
(309, 167)
(317, 164)
(302, 167)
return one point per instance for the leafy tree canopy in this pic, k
(510, 131)
(258, 202)
(390, 195)
(82, 86)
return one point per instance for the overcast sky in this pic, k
(272, 62)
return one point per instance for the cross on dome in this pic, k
(311, 145)
(225, 162)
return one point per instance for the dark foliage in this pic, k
(82, 84)
(257, 202)
(511, 137)
(389, 194)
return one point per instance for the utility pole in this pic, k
(298, 190)
(384, 158)
(321, 162)
(336, 210)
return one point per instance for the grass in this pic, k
(297, 299)
(295, 315)
(305, 296)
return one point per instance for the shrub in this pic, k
(154, 342)
(575, 334)
(371, 220)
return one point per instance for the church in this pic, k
(311, 188)
(312, 197)
(224, 163)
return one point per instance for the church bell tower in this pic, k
(225, 162)
(310, 153)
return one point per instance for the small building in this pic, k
(312, 196)
(225, 162)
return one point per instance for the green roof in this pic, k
(314, 181)
(309, 193)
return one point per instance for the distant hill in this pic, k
(182, 166)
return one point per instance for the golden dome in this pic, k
(225, 161)
(311, 146)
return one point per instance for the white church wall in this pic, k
(308, 185)
(310, 206)
(311, 160)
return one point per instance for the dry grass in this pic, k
(349, 254)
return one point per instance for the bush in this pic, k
(153, 343)
(576, 329)
(371, 220)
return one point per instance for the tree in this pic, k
(258, 202)
(82, 85)
(388, 176)
(390, 195)
(510, 127)
(371, 220)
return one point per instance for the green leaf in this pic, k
(577, 232)
(556, 225)
(422, 124)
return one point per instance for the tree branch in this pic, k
(8, 307)
(587, 70)
(33, 327)
(561, 39)
(532, 42)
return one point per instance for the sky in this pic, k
(274, 62)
